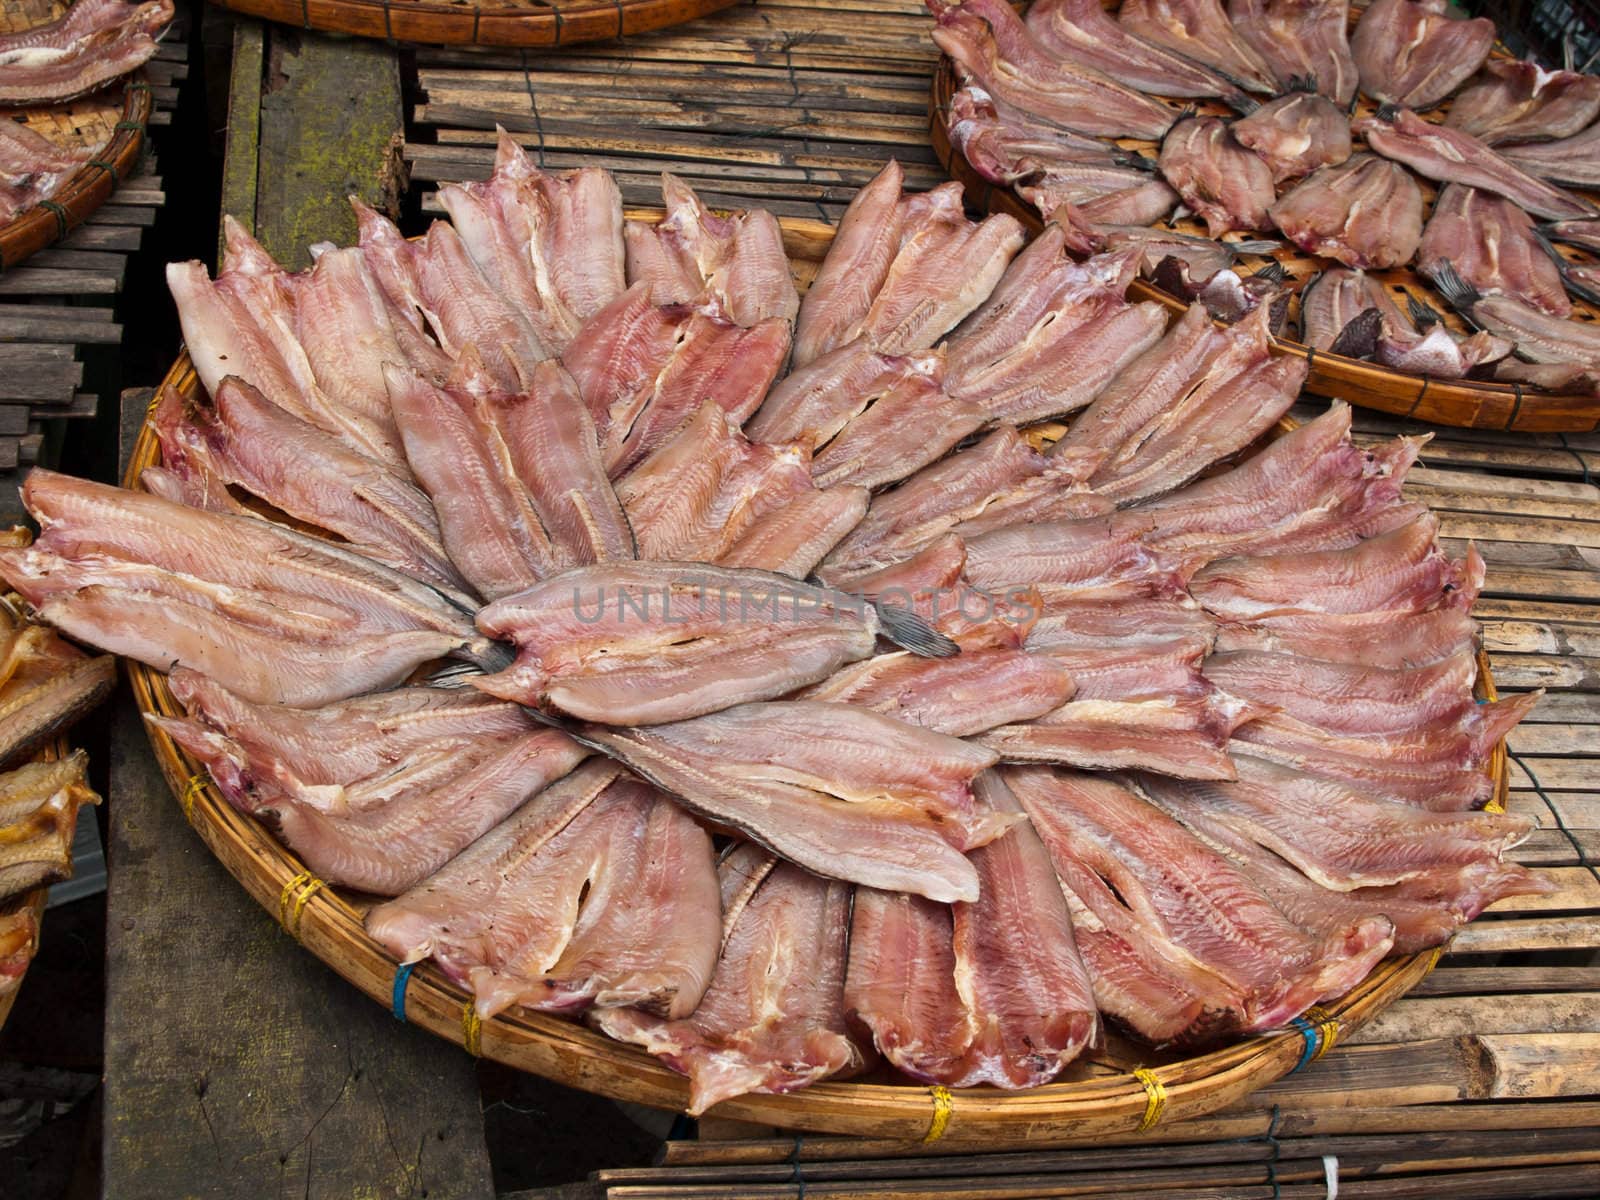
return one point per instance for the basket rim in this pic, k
(1525, 407)
(330, 926)
(546, 23)
(87, 188)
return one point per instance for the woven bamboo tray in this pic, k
(1468, 403)
(529, 23)
(1102, 1095)
(113, 119)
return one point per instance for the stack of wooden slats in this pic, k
(58, 309)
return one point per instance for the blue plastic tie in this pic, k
(1309, 1032)
(402, 977)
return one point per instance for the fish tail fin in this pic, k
(910, 632)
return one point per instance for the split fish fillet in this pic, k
(598, 891)
(1301, 39)
(1411, 52)
(71, 58)
(1223, 182)
(1572, 160)
(1538, 337)
(1199, 30)
(1364, 212)
(1492, 245)
(772, 1019)
(642, 643)
(1082, 32)
(839, 790)
(989, 992)
(1295, 134)
(32, 168)
(1522, 102)
(854, 269)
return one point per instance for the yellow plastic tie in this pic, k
(1155, 1093)
(944, 1104)
(293, 899)
(472, 1029)
(1327, 1026)
(191, 793)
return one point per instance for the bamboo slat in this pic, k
(1100, 1095)
(1472, 403)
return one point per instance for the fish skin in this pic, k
(1572, 160)
(1181, 736)
(853, 270)
(992, 45)
(1411, 52)
(1364, 212)
(874, 824)
(650, 642)
(245, 440)
(1227, 185)
(1491, 243)
(1451, 156)
(1002, 474)
(992, 992)
(1522, 102)
(459, 455)
(1199, 30)
(1234, 399)
(1301, 39)
(1295, 134)
(773, 1018)
(1193, 907)
(982, 687)
(1341, 838)
(1082, 32)
(1402, 570)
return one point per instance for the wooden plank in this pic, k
(240, 159)
(31, 280)
(330, 127)
(1484, 981)
(264, 1072)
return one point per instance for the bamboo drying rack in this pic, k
(1127, 1089)
(531, 23)
(1473, 404)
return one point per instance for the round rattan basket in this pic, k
(1468, 403)
(113, 121)
(1123, 1087)
(531, 23)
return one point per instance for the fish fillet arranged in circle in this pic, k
(711, 495)
(1226, 184)
(1185, 736)
(245, 440)
(1492, 245)
(1295, 134)
(1402, 570)
(1192, 948)
(1412, 52)
(857, 262)
(1451, 156)
(385, 833)
(839, 790)
(1338, 836)
(1199, 30)
(274, 614)
(772, 1019)
(1574, 160)
(997, 482)
(1082, 32)
(737, 261)
(1234, 399)
(1364, 212)
(988, 992)
(641, 643)
(1301, 39)
(551, 244)
(989, 42)
(597, 891)
(515, 477)
(1522, 102)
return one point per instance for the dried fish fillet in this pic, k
(72, 57)
(39, 805)
(1301, 39)
(1522, 102)
(1295, 134)
(1222, 181)
(1082, 32)
(1364, 212)
(1199, 30)
(1412, 52)
(1492, 245)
